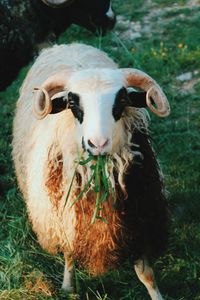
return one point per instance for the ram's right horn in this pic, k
(139, 79)
(42, 103)
(54, 85)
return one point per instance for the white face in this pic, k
(95, 93)
(98, 122)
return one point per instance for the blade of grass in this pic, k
(97, 183)
(86, 161)
(84, 190)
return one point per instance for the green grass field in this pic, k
(162, 39)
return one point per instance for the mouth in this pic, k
(97, 153)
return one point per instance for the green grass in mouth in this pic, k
(98, 182)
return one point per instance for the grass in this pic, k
(169, 48)
(98, 182)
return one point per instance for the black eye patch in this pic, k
(74, 105)
(121, 101)
(124, 98)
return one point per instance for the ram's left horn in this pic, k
(139, 79)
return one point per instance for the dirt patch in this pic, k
(37, 283)
(128, 30)
(155, 18)
(188, 87)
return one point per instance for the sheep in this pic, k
(95, 15)
(74, 101)
(30, 22)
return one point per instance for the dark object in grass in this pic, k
(24, 24)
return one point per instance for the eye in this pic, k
(121, 101)
(74, 105)
(73, 99)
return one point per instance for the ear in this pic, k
(137, 99)
(59, 102)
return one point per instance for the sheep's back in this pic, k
(65, 57)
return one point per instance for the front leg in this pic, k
(68, 275)
(146, 276)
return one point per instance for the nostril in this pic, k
(98, 144)
(91, 144)
(104, 143)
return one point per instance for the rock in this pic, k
(185, 76)
(128, 30)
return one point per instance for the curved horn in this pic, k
(42, 103)
(57, 3)
(139, 79)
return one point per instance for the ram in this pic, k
(74, 103)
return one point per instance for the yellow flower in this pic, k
(180, 45)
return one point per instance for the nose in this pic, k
(98, 146)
